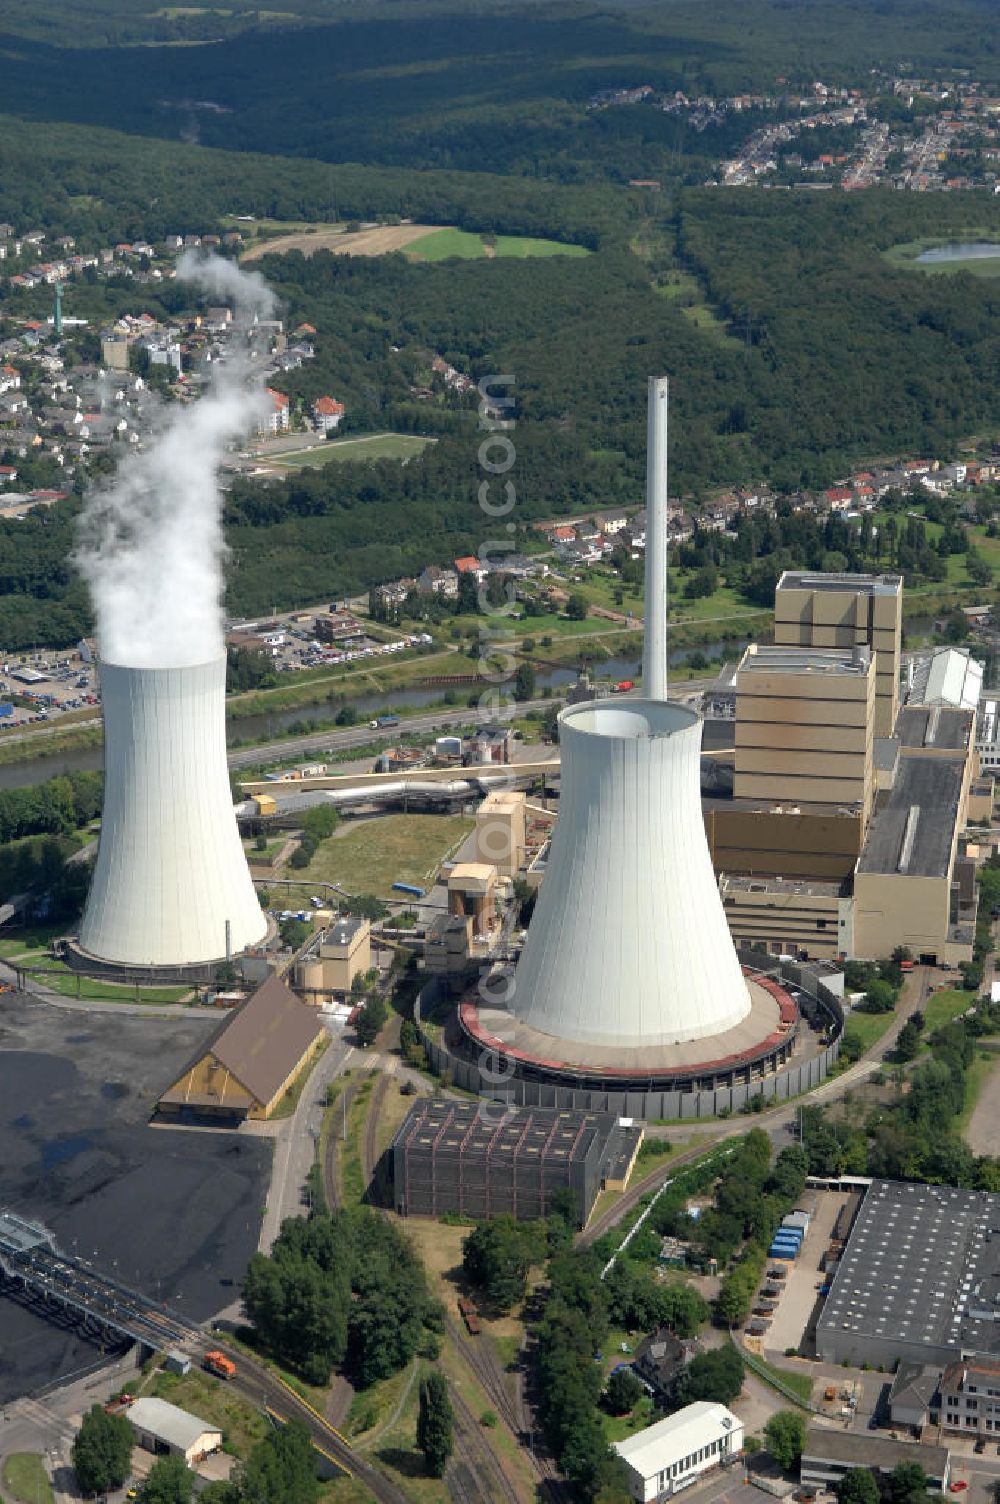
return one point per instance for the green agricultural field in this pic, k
(374, 446)
(466, 244)
(391, 848)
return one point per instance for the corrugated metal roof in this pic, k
(168, 1423)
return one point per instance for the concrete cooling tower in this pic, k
(629, 947)
(171, 886)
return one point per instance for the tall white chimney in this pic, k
(654, 650)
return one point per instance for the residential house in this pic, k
(437, 581)
(471, 565)
(278, 418)
(970, 1397)
(327, 413)
(658, 1360)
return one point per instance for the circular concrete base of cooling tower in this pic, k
(762, 1040)
(86, 963)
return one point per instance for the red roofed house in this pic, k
(327, 413)
(470, 565)
(278, 418)
(305, 329)
(838, 498)
(563, 533)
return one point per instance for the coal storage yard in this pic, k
(176, 1214)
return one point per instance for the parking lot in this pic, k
(45, 686)
(800, 1292)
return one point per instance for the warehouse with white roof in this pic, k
(162, 1427)
(663, 1459)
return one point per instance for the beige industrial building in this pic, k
(841, 838)
(472, 894)
(332, 960)
(165, 1428)
(805, 727)
(244, 1069)
(913, 886)
(845, 611)
(500, 831)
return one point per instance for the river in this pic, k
(246, 730)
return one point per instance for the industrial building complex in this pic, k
(452, 1156)
(919, 1279)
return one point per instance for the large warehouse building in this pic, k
(477, 1159)
(918, 1281)
(244, 1069)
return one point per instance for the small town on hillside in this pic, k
(924, 135)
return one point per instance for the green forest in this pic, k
(439, 85)
(793, 345)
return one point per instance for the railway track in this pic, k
(369, 1140)
(489, 1481)
(272, 1394)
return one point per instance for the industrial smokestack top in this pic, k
(654, 651)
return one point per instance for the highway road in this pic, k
(363, 736)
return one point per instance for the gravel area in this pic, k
(175, 1213)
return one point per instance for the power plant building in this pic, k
(847, 611)
(482, 1160)
(171, 887)
(332, 960)
(805, 726)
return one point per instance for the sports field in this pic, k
(468, 245)
(369, 446)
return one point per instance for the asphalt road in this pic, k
(363, 736)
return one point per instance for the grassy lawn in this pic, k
(941, 1007)
(290, 1100)
(868, 1027)
(617, 1427)
(394, 1109)
(343, 1490)
(34, 940)
(25, 1478)
(391, 848)
(976, 1077)
(374, 446)
(352, 1179)
(59, 978)
(798, 1383)
(371, 1408)
(441, 244)
(241, 1423)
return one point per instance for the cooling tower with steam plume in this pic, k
(171, 887)
(629, 954)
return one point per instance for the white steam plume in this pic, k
(151, 546)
